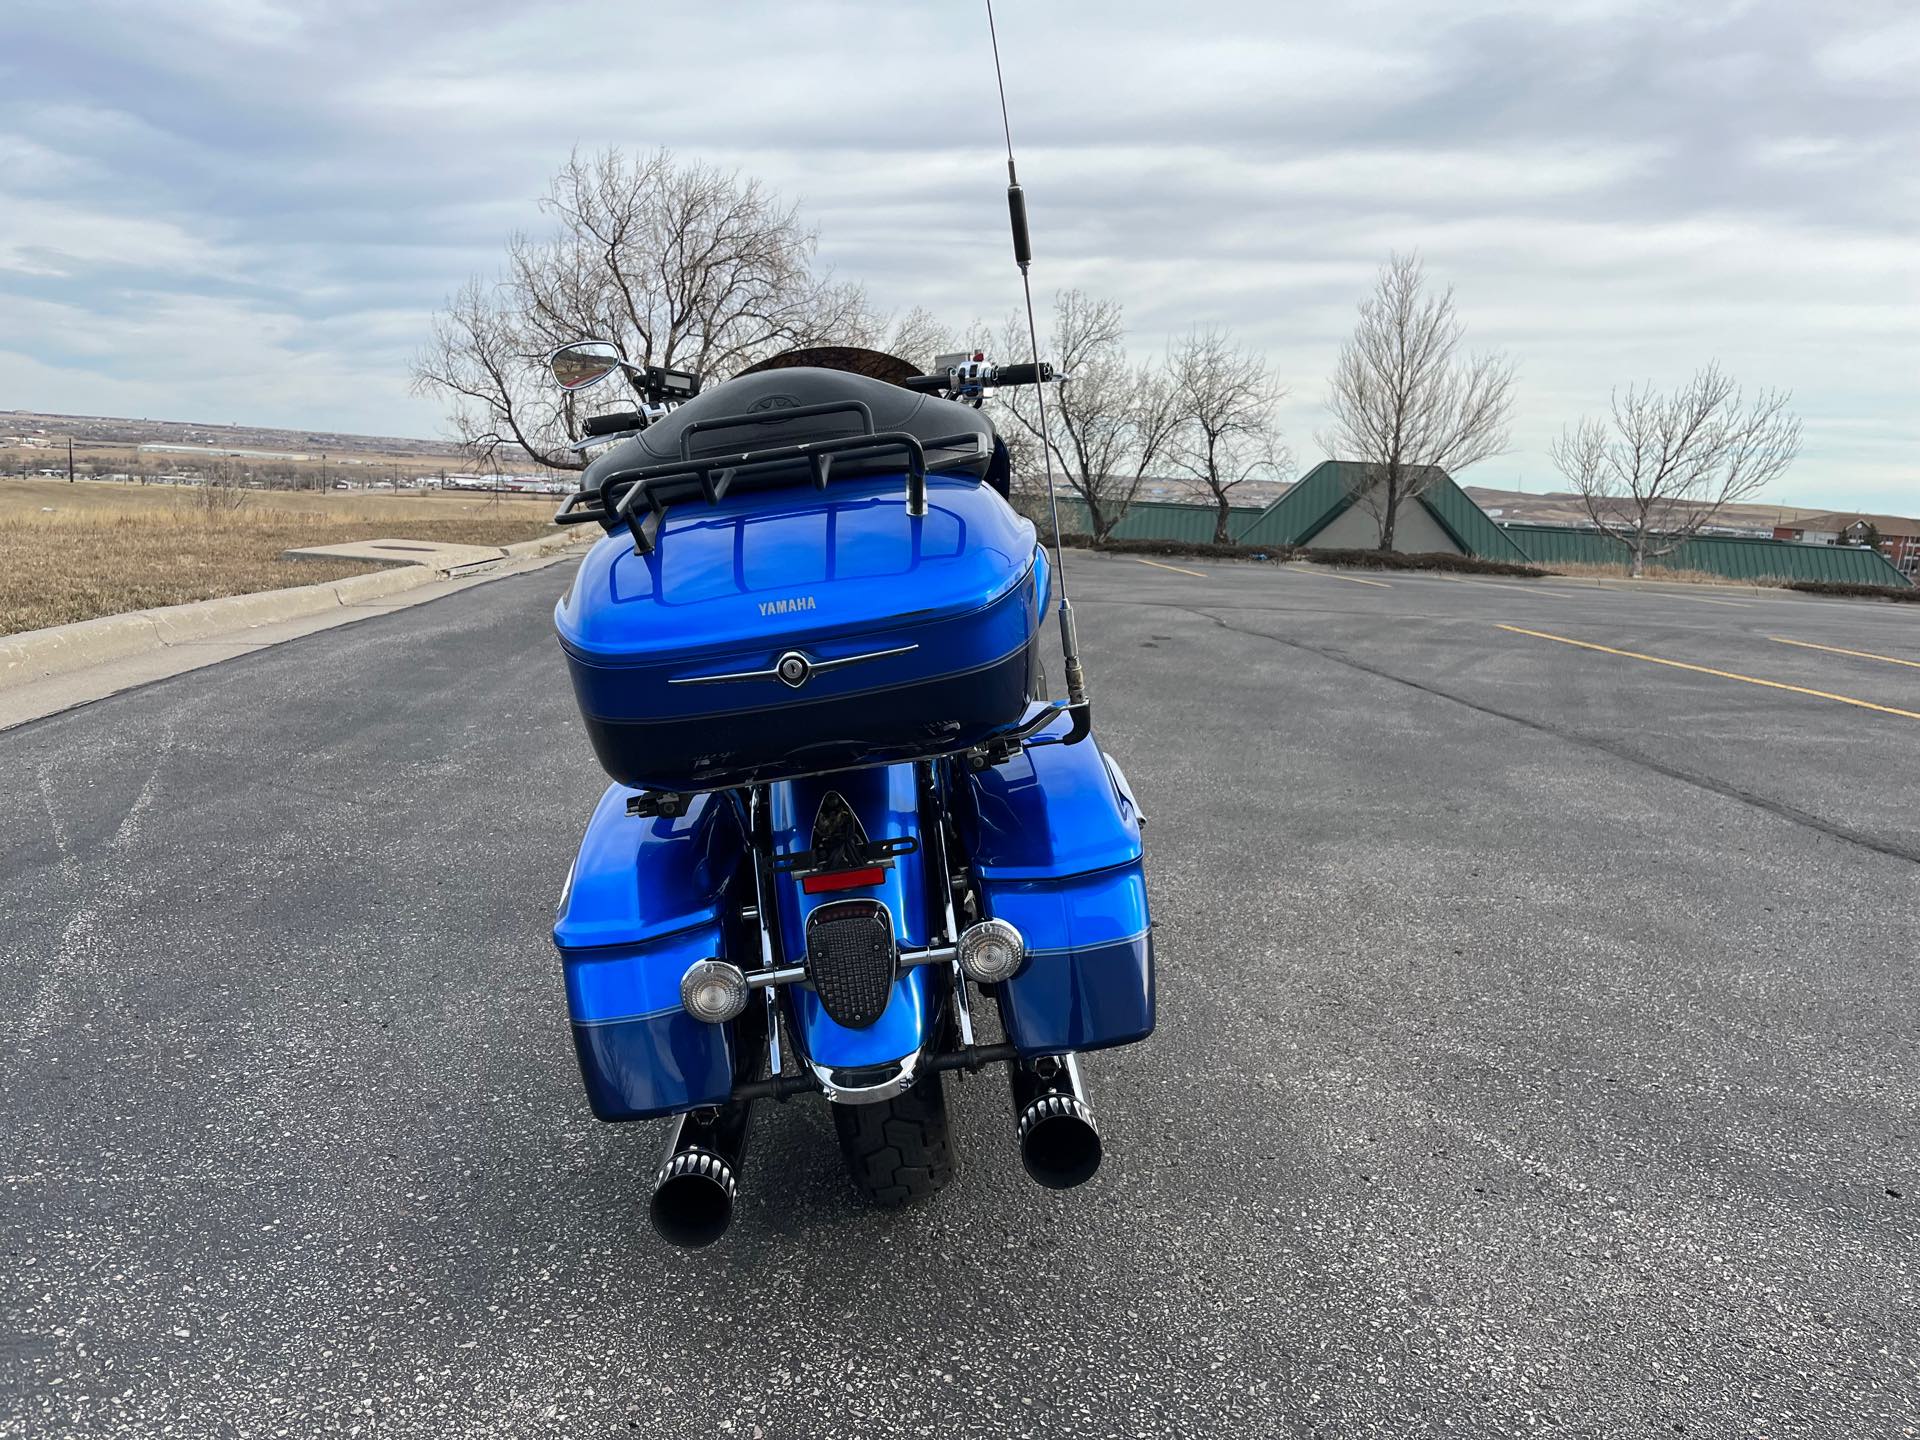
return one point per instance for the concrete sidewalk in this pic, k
(438, 555)
(46, 671)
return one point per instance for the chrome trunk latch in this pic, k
(793, 669)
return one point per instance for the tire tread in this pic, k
(898, 1151)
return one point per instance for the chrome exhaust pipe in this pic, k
(693, 1194)
(1059, 1141)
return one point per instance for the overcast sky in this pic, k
(245, 211)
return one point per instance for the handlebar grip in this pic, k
(926, 384)
(1023, 374)
(613, 422)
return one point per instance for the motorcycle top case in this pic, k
(791, 631)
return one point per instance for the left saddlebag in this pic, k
(646, 898)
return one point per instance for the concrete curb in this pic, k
(61, 649)
(551, 544)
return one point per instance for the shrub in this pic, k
(1908, 594)
(1190, 549)
(1280, 554)
(1432, 560)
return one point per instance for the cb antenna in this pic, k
(1023, 256)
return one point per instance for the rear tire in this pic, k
(897, 1151)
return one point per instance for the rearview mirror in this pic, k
(584, 363)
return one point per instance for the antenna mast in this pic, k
(1023, 256)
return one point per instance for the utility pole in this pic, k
(69, 459)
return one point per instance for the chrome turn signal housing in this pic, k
(713, 990)
(991, 951)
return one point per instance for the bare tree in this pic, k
(678, 263)
(1226, 433)
(917, 335)
(222, 492)
(1404, 404)
(1665, 464)
(1106, 425)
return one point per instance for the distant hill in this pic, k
(1172, 489)
(1562, 508)
(99, 430)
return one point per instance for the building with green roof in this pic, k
(1324, 512)
(1321, 513)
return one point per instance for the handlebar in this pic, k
(1023, 374)
(981, 376)
(613, 422)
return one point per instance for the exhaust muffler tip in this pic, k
(693, 1197)
(1058, 1135)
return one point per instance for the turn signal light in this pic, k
(991, 951)
(713, 990)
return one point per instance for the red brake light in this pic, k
(843, 880)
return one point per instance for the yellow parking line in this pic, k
(1350, 579)
(1723, 674)
(1837, 650)
(1158, 566)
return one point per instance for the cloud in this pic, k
(248, 209)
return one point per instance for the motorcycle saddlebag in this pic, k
(645, 899)
(791, 632)
(1054, 838)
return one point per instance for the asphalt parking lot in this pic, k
(1538, 1001)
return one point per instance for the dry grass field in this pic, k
(95, 547)
(1657, 571)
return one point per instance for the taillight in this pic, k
(843, 880)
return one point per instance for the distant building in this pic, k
(1898, 535)
(1333, 507)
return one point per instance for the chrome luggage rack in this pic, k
(638, 496)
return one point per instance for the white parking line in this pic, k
(1521, 587)
(1702, 600)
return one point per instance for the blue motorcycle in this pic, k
(845, 816)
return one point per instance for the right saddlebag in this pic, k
(1053, 836)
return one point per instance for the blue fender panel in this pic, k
(660, 1065)
(1054, 838)
(1088, 980)
(887, 801)
(643, 903)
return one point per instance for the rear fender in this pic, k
(886, 799)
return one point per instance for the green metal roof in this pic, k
(1468, 524)
(1322, 496)
(1735, 557)
(1308, 507)
(1326, 492)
